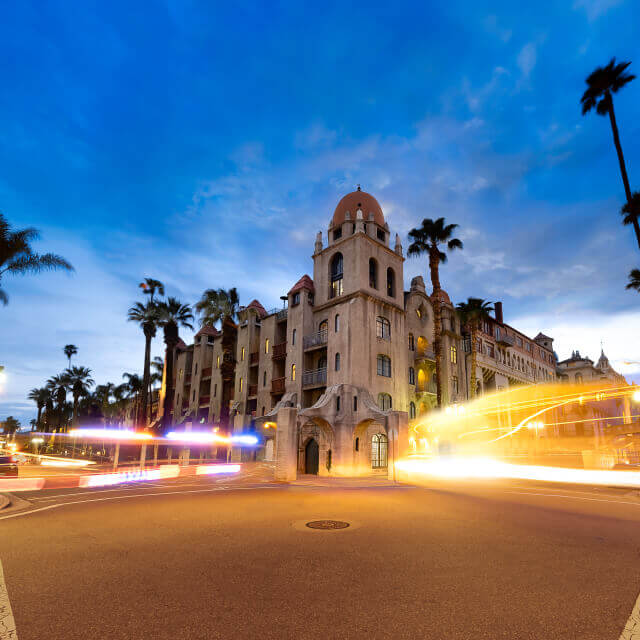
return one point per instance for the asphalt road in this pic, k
(231, 558)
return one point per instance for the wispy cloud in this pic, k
(596, 8)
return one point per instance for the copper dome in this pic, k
(358, 200)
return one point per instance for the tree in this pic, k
(173, 314)
(134, 388)
(40, 397)
(58, 387)
(11, 425)
(631, 209)
(147, 316)
(472, 313)
(601, 84)
(634, 280)
(217, 304)
(150, 287)
(80, 381)
(18, 258)
(426, 240)
(70, 350)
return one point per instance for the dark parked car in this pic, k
(8, 466)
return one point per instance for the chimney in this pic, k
(498, 313)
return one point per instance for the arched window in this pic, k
(373, 273)
(391, 283)
(264, 378)
(412, 343)
(336, 323)
(412, 411)
(337, 362)
(262, 410)
(384, 366)
(266, 345)
(453, 354)
(422, 345)
(384, 401)
(338, 403)
(242, 355)
(335, 273)
(412, 375)
(383, 328)
(421, 380)
(379, 451)
(323, 326)
(293, 337)
(293, 372)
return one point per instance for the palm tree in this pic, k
(173, 314)
(426, 240)
(134, 387)
(634, 280)
(70, 350)
(601, 84)
(217, 304)
(59, 387)
(472, 313)
(80, 381)
(17, 256)
(146, 315)
(39, 396)
(631, 209)
(150, 287)
(102, 395)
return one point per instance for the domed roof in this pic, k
(358, 200)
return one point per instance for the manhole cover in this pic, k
(327, 524)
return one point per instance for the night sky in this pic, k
(204, 144)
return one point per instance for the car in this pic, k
(8, 466)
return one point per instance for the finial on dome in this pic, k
(358, 186)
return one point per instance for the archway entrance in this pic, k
(311, 457)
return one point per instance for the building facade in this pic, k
(334, 379)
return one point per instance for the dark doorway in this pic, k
(311, 457)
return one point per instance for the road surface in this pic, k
(232, 558)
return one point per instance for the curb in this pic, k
(10, 503)
(4, 502)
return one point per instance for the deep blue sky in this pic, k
(205, 144)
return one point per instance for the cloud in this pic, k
(527, 59)
(491, 25)
(596, 8)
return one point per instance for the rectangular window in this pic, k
(355, 403)
(337, 234)
(296, 299)
(454, 384)
(384, 366)
(490, 350)
(519, 341)
(215, 390)
(453, 352)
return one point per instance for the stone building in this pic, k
(333, 380)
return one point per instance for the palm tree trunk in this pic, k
(74, 419)
(142, 422)
(171, 340)
(623, 169)
(39, 415)
(434, 263)
(474, 360)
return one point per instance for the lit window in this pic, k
(383, 328)
(391, 283)
(218, 362)
(379, 451)
(240, 384)
(419, 313)
(336, 276)
(453, 354)
(266, 345)
(242, 355)
(384, 366)
(293, 372)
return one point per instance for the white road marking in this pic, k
(135, 487)
(7, 623)
(631, 630)
(560, 495)
(137, 495)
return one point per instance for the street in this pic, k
(232, 558)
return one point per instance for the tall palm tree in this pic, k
(146, 315)
(119, 394)
(631, 209)
(134, 388)
(59, 387)
(39, 396)
(472, 313)
(217, 304)
(81, 382)
(150, 287)
(102, 394)
(427, 240)
(17, 257)
(173, 314)
(601, 84)
(70, 350)
(634, 280)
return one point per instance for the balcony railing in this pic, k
(506, 339)
(429, 387)
(277, 385)
(206, 373)
(279, 351)
(314, 377)
(253, 358)
(425, 354)
(315, 339)
(253, 390)
(204, 401)
(281, 314)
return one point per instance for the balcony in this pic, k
(277, 385)
(425, 354)
(429, 387)
(206, 373)
(253, 390)
(505, 339)
(279, 351)
(281, 315)
(204, 401)
(315, 340)
(253, 359)
(315, 378)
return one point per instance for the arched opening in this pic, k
(422, 345)
(335, 273)
(384, 401)
(412, 411)
(311, 457)
(373, 273)
(383, 328)
(336, 324)
(422, 379)
(391, 283)
(379, 451)
(337, 367)
(323, 326)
